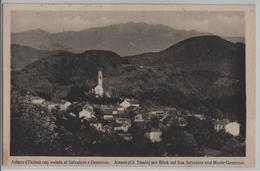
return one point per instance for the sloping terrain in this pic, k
(124, 39)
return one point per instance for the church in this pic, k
(98, 90)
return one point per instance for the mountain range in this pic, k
(22, 55)
(124, 39)
(210, 53)
(197, 73)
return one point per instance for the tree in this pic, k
(75, 108)
(155, 122)
(216, 114)
(203, 137)
(227, 144)
(179, 142)
(32, 130)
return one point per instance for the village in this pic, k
(120, 117)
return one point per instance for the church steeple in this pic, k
(100, 81)
(99, 91)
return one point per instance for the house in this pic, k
(129, 102)
(125, 104)
(139, 118)
(126, 136)
(165, 117)
(188, 115)
(107, 129)
(117, 111)
(200, 116)
(98, 126)
(108, 117)
(64, 104)
(102, 128)
(27, 98)
(124, 124)
(156, 113)
(220, 124)
(50, 105)
(183, 123)
(141, 121)
(233, 128)
(115, 114)
(120, 108)
(169, 120)
(122, 121)
(88, 107)
(72, 115)
(109, 111)
(154, 135)
(87, 112)
(123, 128)
(37, 100)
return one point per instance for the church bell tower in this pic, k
(100, 81)
(99, 91)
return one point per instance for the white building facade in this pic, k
(98, 90)
(233, 128)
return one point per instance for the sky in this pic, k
(222, 23)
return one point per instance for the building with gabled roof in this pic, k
(154, 135)
(64, 104)
(233, 128)
(126, 103)
(126, 136)
(220, 124)
(200, 116)
(87, 112)
(37, 100)
(139, 118)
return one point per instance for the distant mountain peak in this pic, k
(125, 39)
(33, 31)
(203, 52)
(134, 23)
(39, 30)
(99, 52)
(208, 40)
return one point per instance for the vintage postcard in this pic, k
(129, 85)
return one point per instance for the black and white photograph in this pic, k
(126, 83)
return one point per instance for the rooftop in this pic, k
(221, 122)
